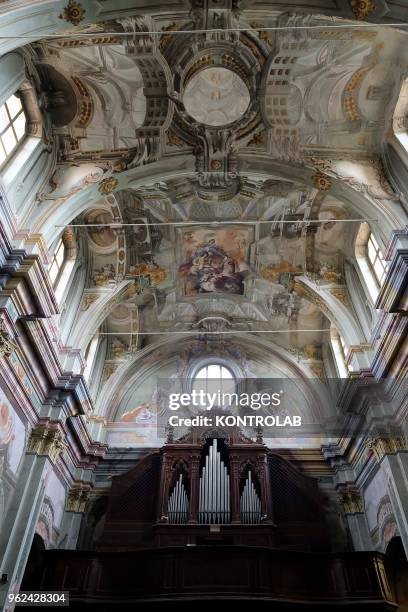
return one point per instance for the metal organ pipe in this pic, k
(177, 508)
(214, 498)
(250, 504)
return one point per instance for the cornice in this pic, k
(393, 296)
(29, 288)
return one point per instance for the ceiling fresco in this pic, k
(214, 176)
(216, 96)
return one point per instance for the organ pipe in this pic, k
(177, 509)
(214, 498)
(250, 504)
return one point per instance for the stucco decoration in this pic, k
(73, 13)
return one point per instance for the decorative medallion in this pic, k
(108, 185)
(362, 8)
(73, 13)
(322, 181)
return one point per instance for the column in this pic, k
(353, 508)
(44, 446)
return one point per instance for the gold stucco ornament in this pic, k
(73, 13)
(108, 185)
(322, 181)
(362, 8)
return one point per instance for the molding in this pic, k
(393, 296)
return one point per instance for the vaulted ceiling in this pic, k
(234, 154)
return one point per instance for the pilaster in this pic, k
(391, 453)
(45, 445)
(75, 504)
(352, 504)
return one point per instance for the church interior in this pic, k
(190, 191)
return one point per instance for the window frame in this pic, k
(61, 281)
(368, 275)
(340, 353)
(91, 353)
(378, 257)
(11, 124)
(54, 260)
(204, 380)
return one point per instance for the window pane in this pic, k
(214, 378)
(19, 125)
(59, 256)
(202, 373)
(372, 252)
(14, 106)
(378, 269)
(214, 371)
(225, 373)
(9, 140)
(2, 154)
(4, 120)
(373, 240)
(53, 272)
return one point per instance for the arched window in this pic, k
(90, 356)
(340, 353)
(62, 262)
(57, 262)
(376, 258)
(12, 127)
(370, 260)
(214, 378)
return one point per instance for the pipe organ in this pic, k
(178, 503)
(251, 510)
(214, 486)
(214, 490)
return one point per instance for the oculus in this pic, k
(216, 96)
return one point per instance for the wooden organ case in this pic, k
(214, 487)
(218, 516)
